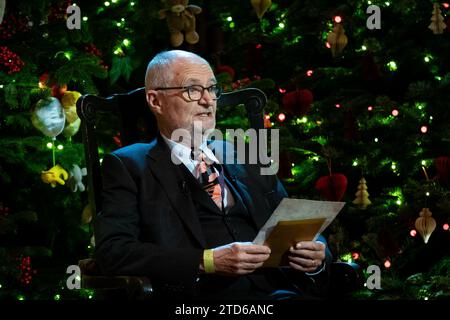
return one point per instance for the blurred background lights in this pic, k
(337, 19)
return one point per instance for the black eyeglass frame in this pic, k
(218, 92)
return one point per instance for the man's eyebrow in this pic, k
(190, 81)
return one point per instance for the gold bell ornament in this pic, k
(425, 224)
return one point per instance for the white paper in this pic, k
(300, 209)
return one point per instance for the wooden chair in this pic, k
(137, 124)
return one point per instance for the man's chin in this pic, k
(203, 125)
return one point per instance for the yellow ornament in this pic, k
(70, 98)
(337, 39)
(437, 24)
(425, 224)
(362, 196)
(55, 175)
(261, 6)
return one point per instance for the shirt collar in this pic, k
(183, 153)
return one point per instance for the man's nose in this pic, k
(206, 99)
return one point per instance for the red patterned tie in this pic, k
(209, 179)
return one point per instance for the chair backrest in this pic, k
(138, 124)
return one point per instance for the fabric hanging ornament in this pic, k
(437, 24)
(48, 117)
(298, 102)
(55, 175)
(181, 21)
(261, 6)
(337, 39)
(362, 196)
(425, 224)
(333, 186)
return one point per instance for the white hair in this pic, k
(158, 70)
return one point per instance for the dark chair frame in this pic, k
(89, 107)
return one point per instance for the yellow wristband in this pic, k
(208, 261)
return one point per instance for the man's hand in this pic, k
(307, 256)
(239, 258)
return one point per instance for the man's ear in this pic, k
(153, 101)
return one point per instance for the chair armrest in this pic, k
(134, 287)
(345, 278)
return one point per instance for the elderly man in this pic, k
(188, 224)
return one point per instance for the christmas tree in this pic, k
(356, 88)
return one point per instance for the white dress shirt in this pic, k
(183, 154)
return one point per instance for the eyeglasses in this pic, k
(195, 91)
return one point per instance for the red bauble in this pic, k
(298, 102)
(443, 169)
(58, 91)
(226, 69)
(332, 187)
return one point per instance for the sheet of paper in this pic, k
(300, 209)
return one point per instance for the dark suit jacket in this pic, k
(149, 225)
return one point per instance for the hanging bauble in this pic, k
(298, 102)
(70, 98)
(48, 116)
(261, 6)
(58, 90)
(71, 128)
(337, 39)
(443, 170)
(332, 187)
(437, 24)
(362, 196)
(425, 224)
(69, 102)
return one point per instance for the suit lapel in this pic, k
(171, 179)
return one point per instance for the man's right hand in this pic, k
(239, 258)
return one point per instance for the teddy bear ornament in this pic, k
(180, 17)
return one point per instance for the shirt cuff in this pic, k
(317, 272)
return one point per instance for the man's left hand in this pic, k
(307, 256)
